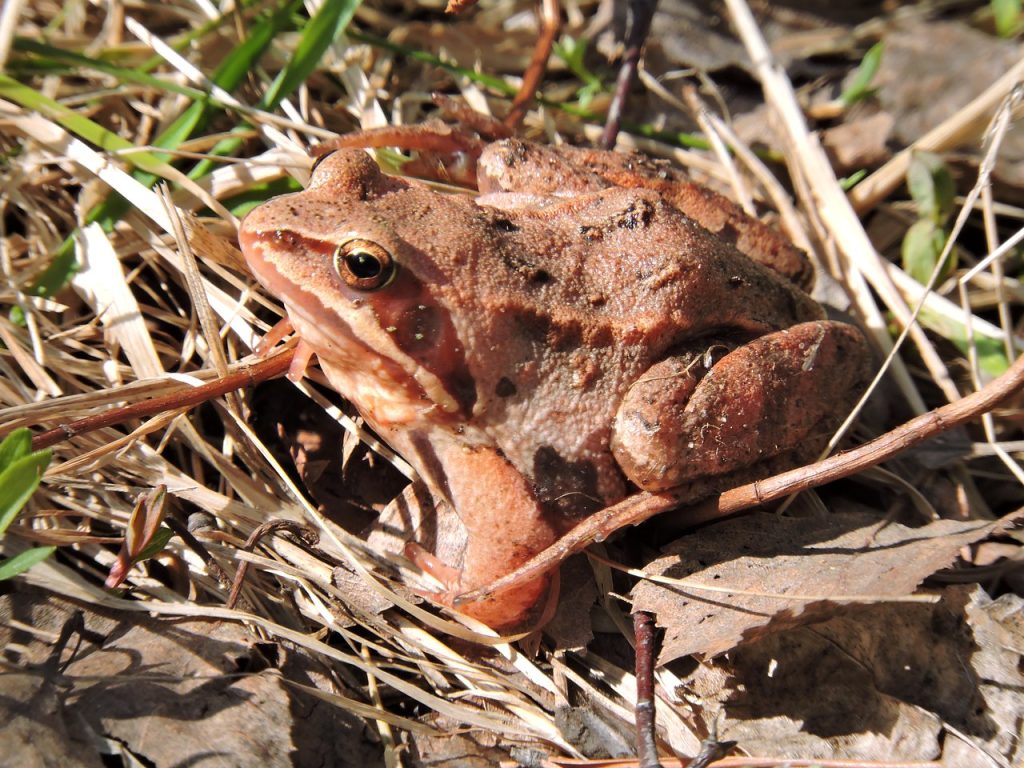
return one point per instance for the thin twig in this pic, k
(304, 532)
(184, 397)
(549, 13)
(646, 639)
(643, 12)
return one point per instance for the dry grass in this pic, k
(162, 298)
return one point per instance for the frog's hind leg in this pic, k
(693, 415)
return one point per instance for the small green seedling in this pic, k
(145, 537)
(20, 471)
(931, 187)
(572, 52)
(860, 87)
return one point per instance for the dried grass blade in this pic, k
(101, 283)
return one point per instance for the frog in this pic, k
(581, 325)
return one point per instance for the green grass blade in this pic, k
(70, 62)
(149, 166)
(860, 87)
(322, 30)
(75, 123)
(23, 561)
(240, 63)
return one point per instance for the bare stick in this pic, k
(643, 12)
(549, 12)
(646, 745)
(303, 532)
(185, 397)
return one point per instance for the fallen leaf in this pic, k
(171, 692)
(791, 571)
(879, 682)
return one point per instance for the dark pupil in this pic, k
(363, 265)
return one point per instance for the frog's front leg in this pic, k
(701, 414)
(505, 527)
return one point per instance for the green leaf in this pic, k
(1007, 17)
(921, 248)
(860, 87)
(22, 561)
(990, 352)
(17, 484)
(14, 446)
(322, 30)
(156, 544)
(931, 186)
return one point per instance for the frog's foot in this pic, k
(690, 416)
(505, 609)
(431, 564)
(302, 356)
(278, 333)
(431, 136)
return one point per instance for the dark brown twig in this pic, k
(303, 532)
(212, 566)
(184, 397)
(640, 25)
(643, 506)
(711, 749)
(549, 13)
(646, 744)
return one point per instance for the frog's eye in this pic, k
(364, 265)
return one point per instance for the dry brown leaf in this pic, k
(171, 693)
(799, 568)
(880, 682)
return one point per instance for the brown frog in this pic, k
(586, 324)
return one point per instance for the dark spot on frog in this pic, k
(504, 225)
(735, 281)
(563, 486)
(639, 214)
(530, 272)
(533, 325)
(505, 387)
(565, 335)
(540, 277)
(590, 232)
